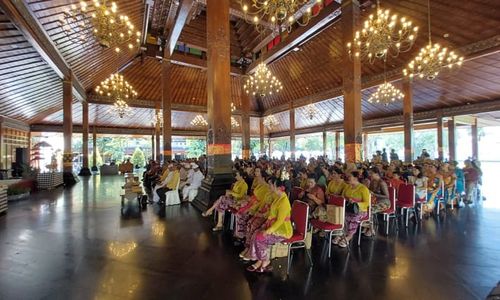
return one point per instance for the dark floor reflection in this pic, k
(79, 244)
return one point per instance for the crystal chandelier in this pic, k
(233, 107)
(262, 82)
(279, 13)
(383, 34)
(121, 108)
(118, 89)
(234, 123)
(310, 111)
(108, 27)
(432, 58)
(386, 94)
(199, 121)
(270, 121)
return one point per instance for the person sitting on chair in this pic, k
(193, 182)
(358, 193)
(232, 198)
(277, 228)
(170, 183)
(313, 195)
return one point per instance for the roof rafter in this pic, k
(21, 16)
(183, 11)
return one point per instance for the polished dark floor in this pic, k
(74, 244)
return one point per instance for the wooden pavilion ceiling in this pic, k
(91, 64)
(189, 85)
(28, 85)
(317, 67)
(31, 91)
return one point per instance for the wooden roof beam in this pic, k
(325, 18)
(183, 11)
(174, 5)
(144, 103)
(22, 17)
(397, 120)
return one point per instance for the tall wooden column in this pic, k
(292, 131)
(245, 125)
(351, 84)
(167, 107)
(324, 142)
(452, 139)
(85, 171)
(475, 140)
(220, 175)
(337, 145)
(68, 130)
(408, 120)
(153, 144)
(262, 133)
(439, 120)
(157, 136)
(94, 148)
(365, 146)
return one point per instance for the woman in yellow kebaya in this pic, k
(232, 198)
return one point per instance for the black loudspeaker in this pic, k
(22, 156)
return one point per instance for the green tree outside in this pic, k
(196, 148)
(138, 158)
(98, 158)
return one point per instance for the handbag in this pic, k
(352, 208)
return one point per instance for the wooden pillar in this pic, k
(157, 136)
(365, 147)
(68, 129)
(452, 139)
(153, 144)
(2, 154)
(220, 176)
(351, 84)
(324, 142)
(261, 131)
(337, 145)
(167, 107)
(292, 131)
(475, 140)
(94, 148)
(245, 125)
(85, 171)
(439, 120)
(408, 120)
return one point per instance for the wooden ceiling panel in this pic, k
(317, 67)
(91, 64)
(195, 34)
(189, 85)
(28, 85)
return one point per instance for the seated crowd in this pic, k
(185, 177)
(264, 189)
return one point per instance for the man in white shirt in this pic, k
(193, 182)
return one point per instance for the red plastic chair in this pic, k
(420, 203)
(366, 221)
(300, 221)
(329, 228)
(406, 199)
(391, 211)
(295, 193)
